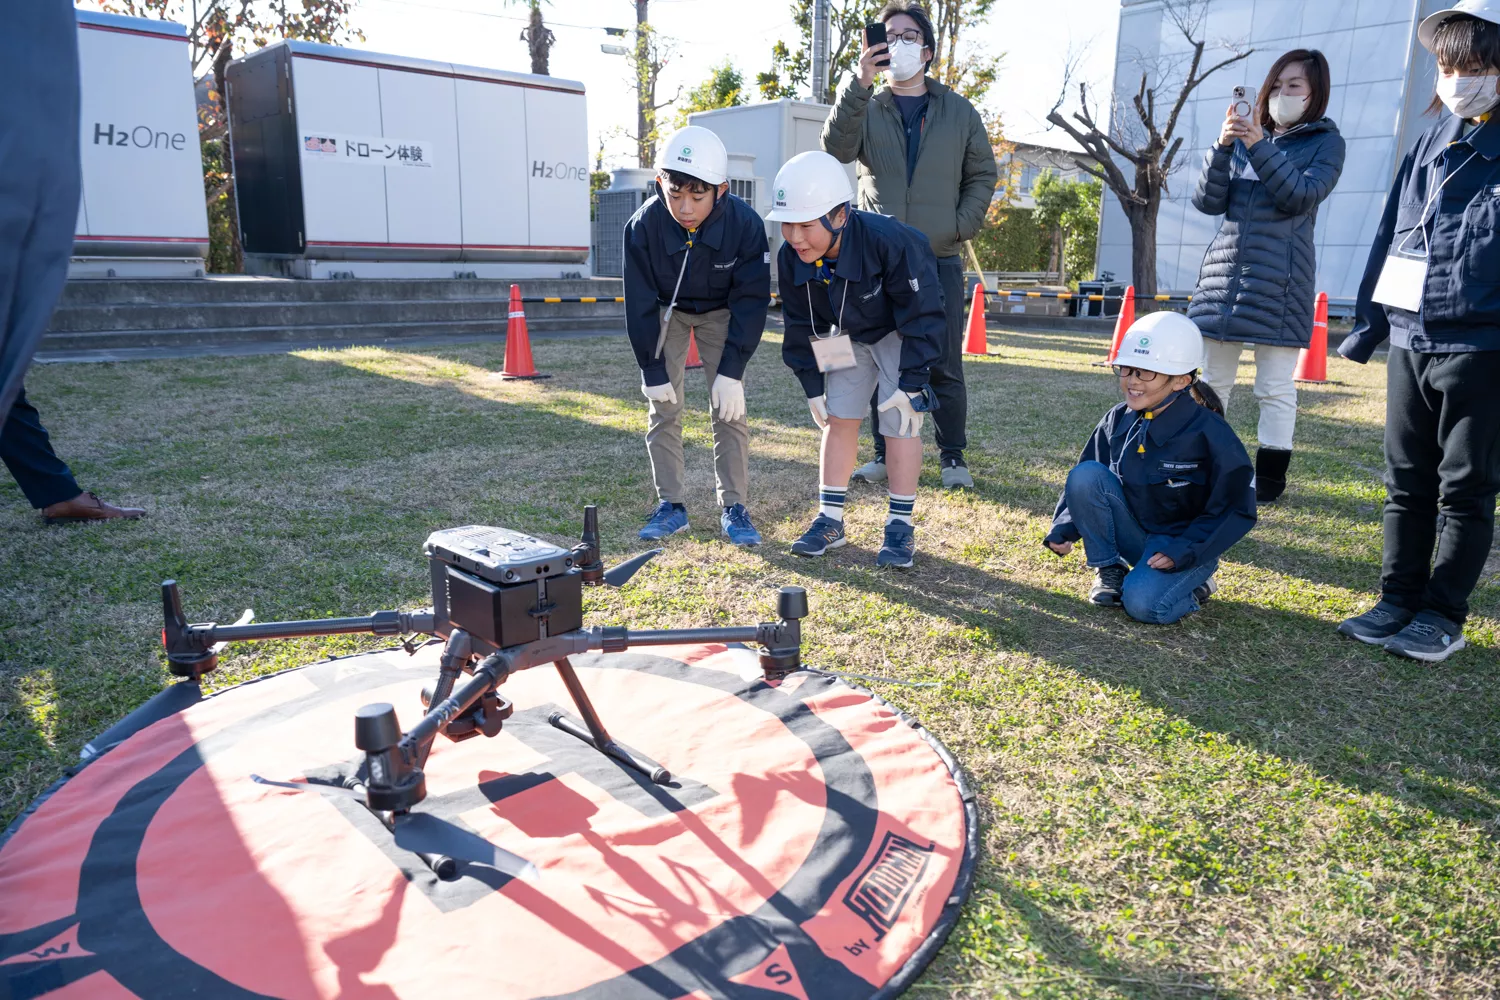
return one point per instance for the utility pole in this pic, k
(819, 52)
(642, 98)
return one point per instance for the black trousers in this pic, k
(1442, 457)
(951, 420)
(27, 452)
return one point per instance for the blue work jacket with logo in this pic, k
(885, 278)
(1461, 296)
(728, 266)
(1192, 488)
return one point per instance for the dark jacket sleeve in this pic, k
(911, 285)
(749, 298)
(1294, 191)
(1096, 449)
(642, 320)
(1372, 327)
(844, 130)
(980, 174)
(1212, 195)
(797, 329)
(1230, 512)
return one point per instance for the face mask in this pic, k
(1287, 111)
(1469, 96)
(906, 61)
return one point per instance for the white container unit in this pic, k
(142, 210)
(356, 163)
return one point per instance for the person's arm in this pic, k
(642, 320)
(1095, 449)
(1372, 327)
(796, 336)
(911, 285)
(1230, 512)
(844, 131)
(1212, 194)
(980, 174)
(749, 298)
(1295, 191)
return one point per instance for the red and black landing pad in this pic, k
(813, 843)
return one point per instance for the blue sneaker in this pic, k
(825, 534)
(736, 524)
(666, 519)
(900, 545)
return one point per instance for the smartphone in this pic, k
(875, 35)
(1244, 102)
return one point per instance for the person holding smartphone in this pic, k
(1432, 288)
(1277, 159)
(923, 157)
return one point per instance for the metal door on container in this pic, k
(419, 126)
(558, 173)
(343, 196)
(492, 168)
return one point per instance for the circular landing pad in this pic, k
(812, 843)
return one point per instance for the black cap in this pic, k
(791, 603)
(376, 728)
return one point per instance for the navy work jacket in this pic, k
(1461, 297)
(890, 275)
(729, 266)
(1192, 490)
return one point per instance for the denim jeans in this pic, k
(1112, 536)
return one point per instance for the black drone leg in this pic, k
(595, 734)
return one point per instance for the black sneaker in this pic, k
(825, 534)
(1429, 637)
(1205, 590)
(1108, 581)
(1378, 625)
(900, 546)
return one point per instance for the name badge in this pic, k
(834, 353)
(1401, 282)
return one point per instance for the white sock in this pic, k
(831, 501)
(901, 508)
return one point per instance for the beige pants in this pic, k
(664, 425)
(1274, 386)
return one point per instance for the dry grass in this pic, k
(1241, 805)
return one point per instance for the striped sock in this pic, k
(831, 501)
(901, 508)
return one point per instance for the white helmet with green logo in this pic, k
(808, 187)
(1166, 342)
(697, 152)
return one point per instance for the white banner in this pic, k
(369, 150)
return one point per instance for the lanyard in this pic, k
(812, 316)
(1422, 223)
(661, 341)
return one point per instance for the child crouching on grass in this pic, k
(1163, 487)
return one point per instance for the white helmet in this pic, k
(808, 187)
(1166, 342)
(1485, 10)
(697, 152)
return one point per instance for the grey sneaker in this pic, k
(1108, 581)
(872, 471)
(956, 475)
(1378, 625)
(1429, 637)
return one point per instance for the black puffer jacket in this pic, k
(1259, 276)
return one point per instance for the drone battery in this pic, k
(565, 597)
(501, 616)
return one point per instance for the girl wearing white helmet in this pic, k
(864, 314)
(1432, 287)
(1164, 486)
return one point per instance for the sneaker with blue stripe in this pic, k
(736, 524)
(900, 546)
(824, 534)
(666, 519)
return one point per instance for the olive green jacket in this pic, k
(955, 176)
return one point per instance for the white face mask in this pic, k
(1287, 111)
(1469, 96)
(906, 61)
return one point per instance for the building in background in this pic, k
(1025, 164)
(1382, 82)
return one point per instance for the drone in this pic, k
(502, 601)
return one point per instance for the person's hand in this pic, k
(728, 397)
(1061, 548)
(911, 420)
(1231, 129)
(1251, 132)
(1161, 562)
(818, 405)
(867, 67)
(663, 393)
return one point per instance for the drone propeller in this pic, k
(621, 574)
(310, 786)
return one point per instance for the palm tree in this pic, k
(537, 36)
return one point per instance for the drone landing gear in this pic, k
(595, 735)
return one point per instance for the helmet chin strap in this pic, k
(829, 226)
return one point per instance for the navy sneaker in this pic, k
(1109, 581)
(900, 545)
(736, 524)
(825, 534)
(1377, 626)
(1428, 637)
(666, 519)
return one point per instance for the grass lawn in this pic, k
(1240, 805)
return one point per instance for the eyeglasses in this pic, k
(909, 35)
(1125, 371)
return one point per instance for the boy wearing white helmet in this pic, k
(1164, 487)
(697, 262)
(864, 314)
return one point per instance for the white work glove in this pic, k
(819, 407)
(728, 397)
(663, 393)
(911, 420)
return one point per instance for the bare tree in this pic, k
(647, 58)
(1133, 138)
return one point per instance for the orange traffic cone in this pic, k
(1312, 363)
(693, 361)
(518, 363)
(1125, 321)
(976, 342)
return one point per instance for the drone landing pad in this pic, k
(813, 843)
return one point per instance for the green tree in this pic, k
(1011, 240)
(1068, 212)
(724, 88)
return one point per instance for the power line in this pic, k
(485, 13)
